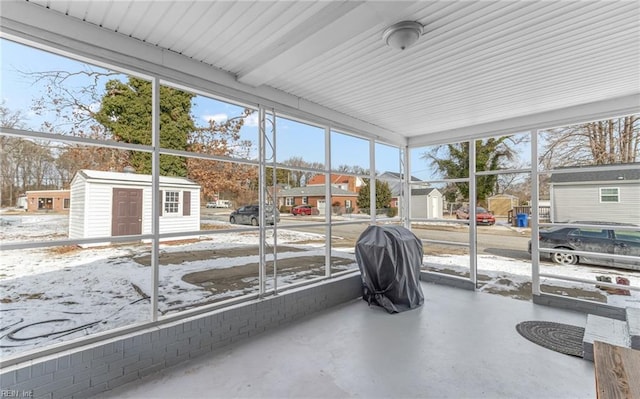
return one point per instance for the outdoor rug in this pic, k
(563, 338)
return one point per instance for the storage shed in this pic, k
(501, 204)
(107, 204)
(611, 194)
(426, 203)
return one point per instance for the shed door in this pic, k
(126, 216)
(434, 212)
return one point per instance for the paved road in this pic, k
(493, 240)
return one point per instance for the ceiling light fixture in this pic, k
(402, 35)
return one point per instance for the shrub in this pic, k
(392, 212)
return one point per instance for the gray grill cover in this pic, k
(389, 258)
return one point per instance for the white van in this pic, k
(223, 204)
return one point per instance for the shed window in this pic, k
(610, 194)
(65, 203)
(171, 202)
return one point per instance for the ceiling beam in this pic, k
(344, 20)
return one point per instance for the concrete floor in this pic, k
(460, 344)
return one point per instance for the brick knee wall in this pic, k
(98, 367)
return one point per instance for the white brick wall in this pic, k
(87, 371)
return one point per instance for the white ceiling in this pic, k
(477, 64)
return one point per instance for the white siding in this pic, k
(92, 206)
(422, 206)
(419, 206)
(77, 208)
(582, 203)
(98, 208)
(177, 223)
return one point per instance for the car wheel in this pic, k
(564, 258)
(254, 221)
(232, 220)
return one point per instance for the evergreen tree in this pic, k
(452, 161)
(126, 111)
(383, 195)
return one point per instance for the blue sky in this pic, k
(293, 138)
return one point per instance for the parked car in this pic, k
(301, 210)
(482, 215)
(250, 214)
(211, 205)
(605, 240)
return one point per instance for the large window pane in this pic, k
(387, 158)
(503, 233)
(446, 247)
(67, 292)
(208, 126)
(588, 179)
(55, 94)
(349, 154)
(299, 144)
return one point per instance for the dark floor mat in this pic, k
(563, 338)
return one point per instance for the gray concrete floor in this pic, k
(460, 344)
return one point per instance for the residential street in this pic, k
(500, 240)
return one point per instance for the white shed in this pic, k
(107, 204)
(426, 203)
(609, 194)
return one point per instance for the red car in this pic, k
(301, 210)
(482, 215)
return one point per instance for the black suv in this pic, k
(250, 214)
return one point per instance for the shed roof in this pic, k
(423, 191)
(114, 177)
(613, 173)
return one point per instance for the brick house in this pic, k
(315, 196)
(48, 200)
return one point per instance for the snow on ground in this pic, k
(49, 295)
(519, 272)
(53, 294)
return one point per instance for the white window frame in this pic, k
(288, 201)
(171, 206)
(616, 195)
(305, 200)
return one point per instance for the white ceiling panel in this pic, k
(477, 63)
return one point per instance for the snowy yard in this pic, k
(49, 295)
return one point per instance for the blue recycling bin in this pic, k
(523, 219)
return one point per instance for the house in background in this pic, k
(315, 196)
(344, 182)
(48, 200)
(607, 195)
(107, 204)
(427, 202)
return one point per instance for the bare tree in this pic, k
(596, 143)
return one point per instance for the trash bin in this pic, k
(523, 219)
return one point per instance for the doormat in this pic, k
(563, 338)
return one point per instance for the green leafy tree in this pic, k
(452, 161)
(383, 195)
(126, 111)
